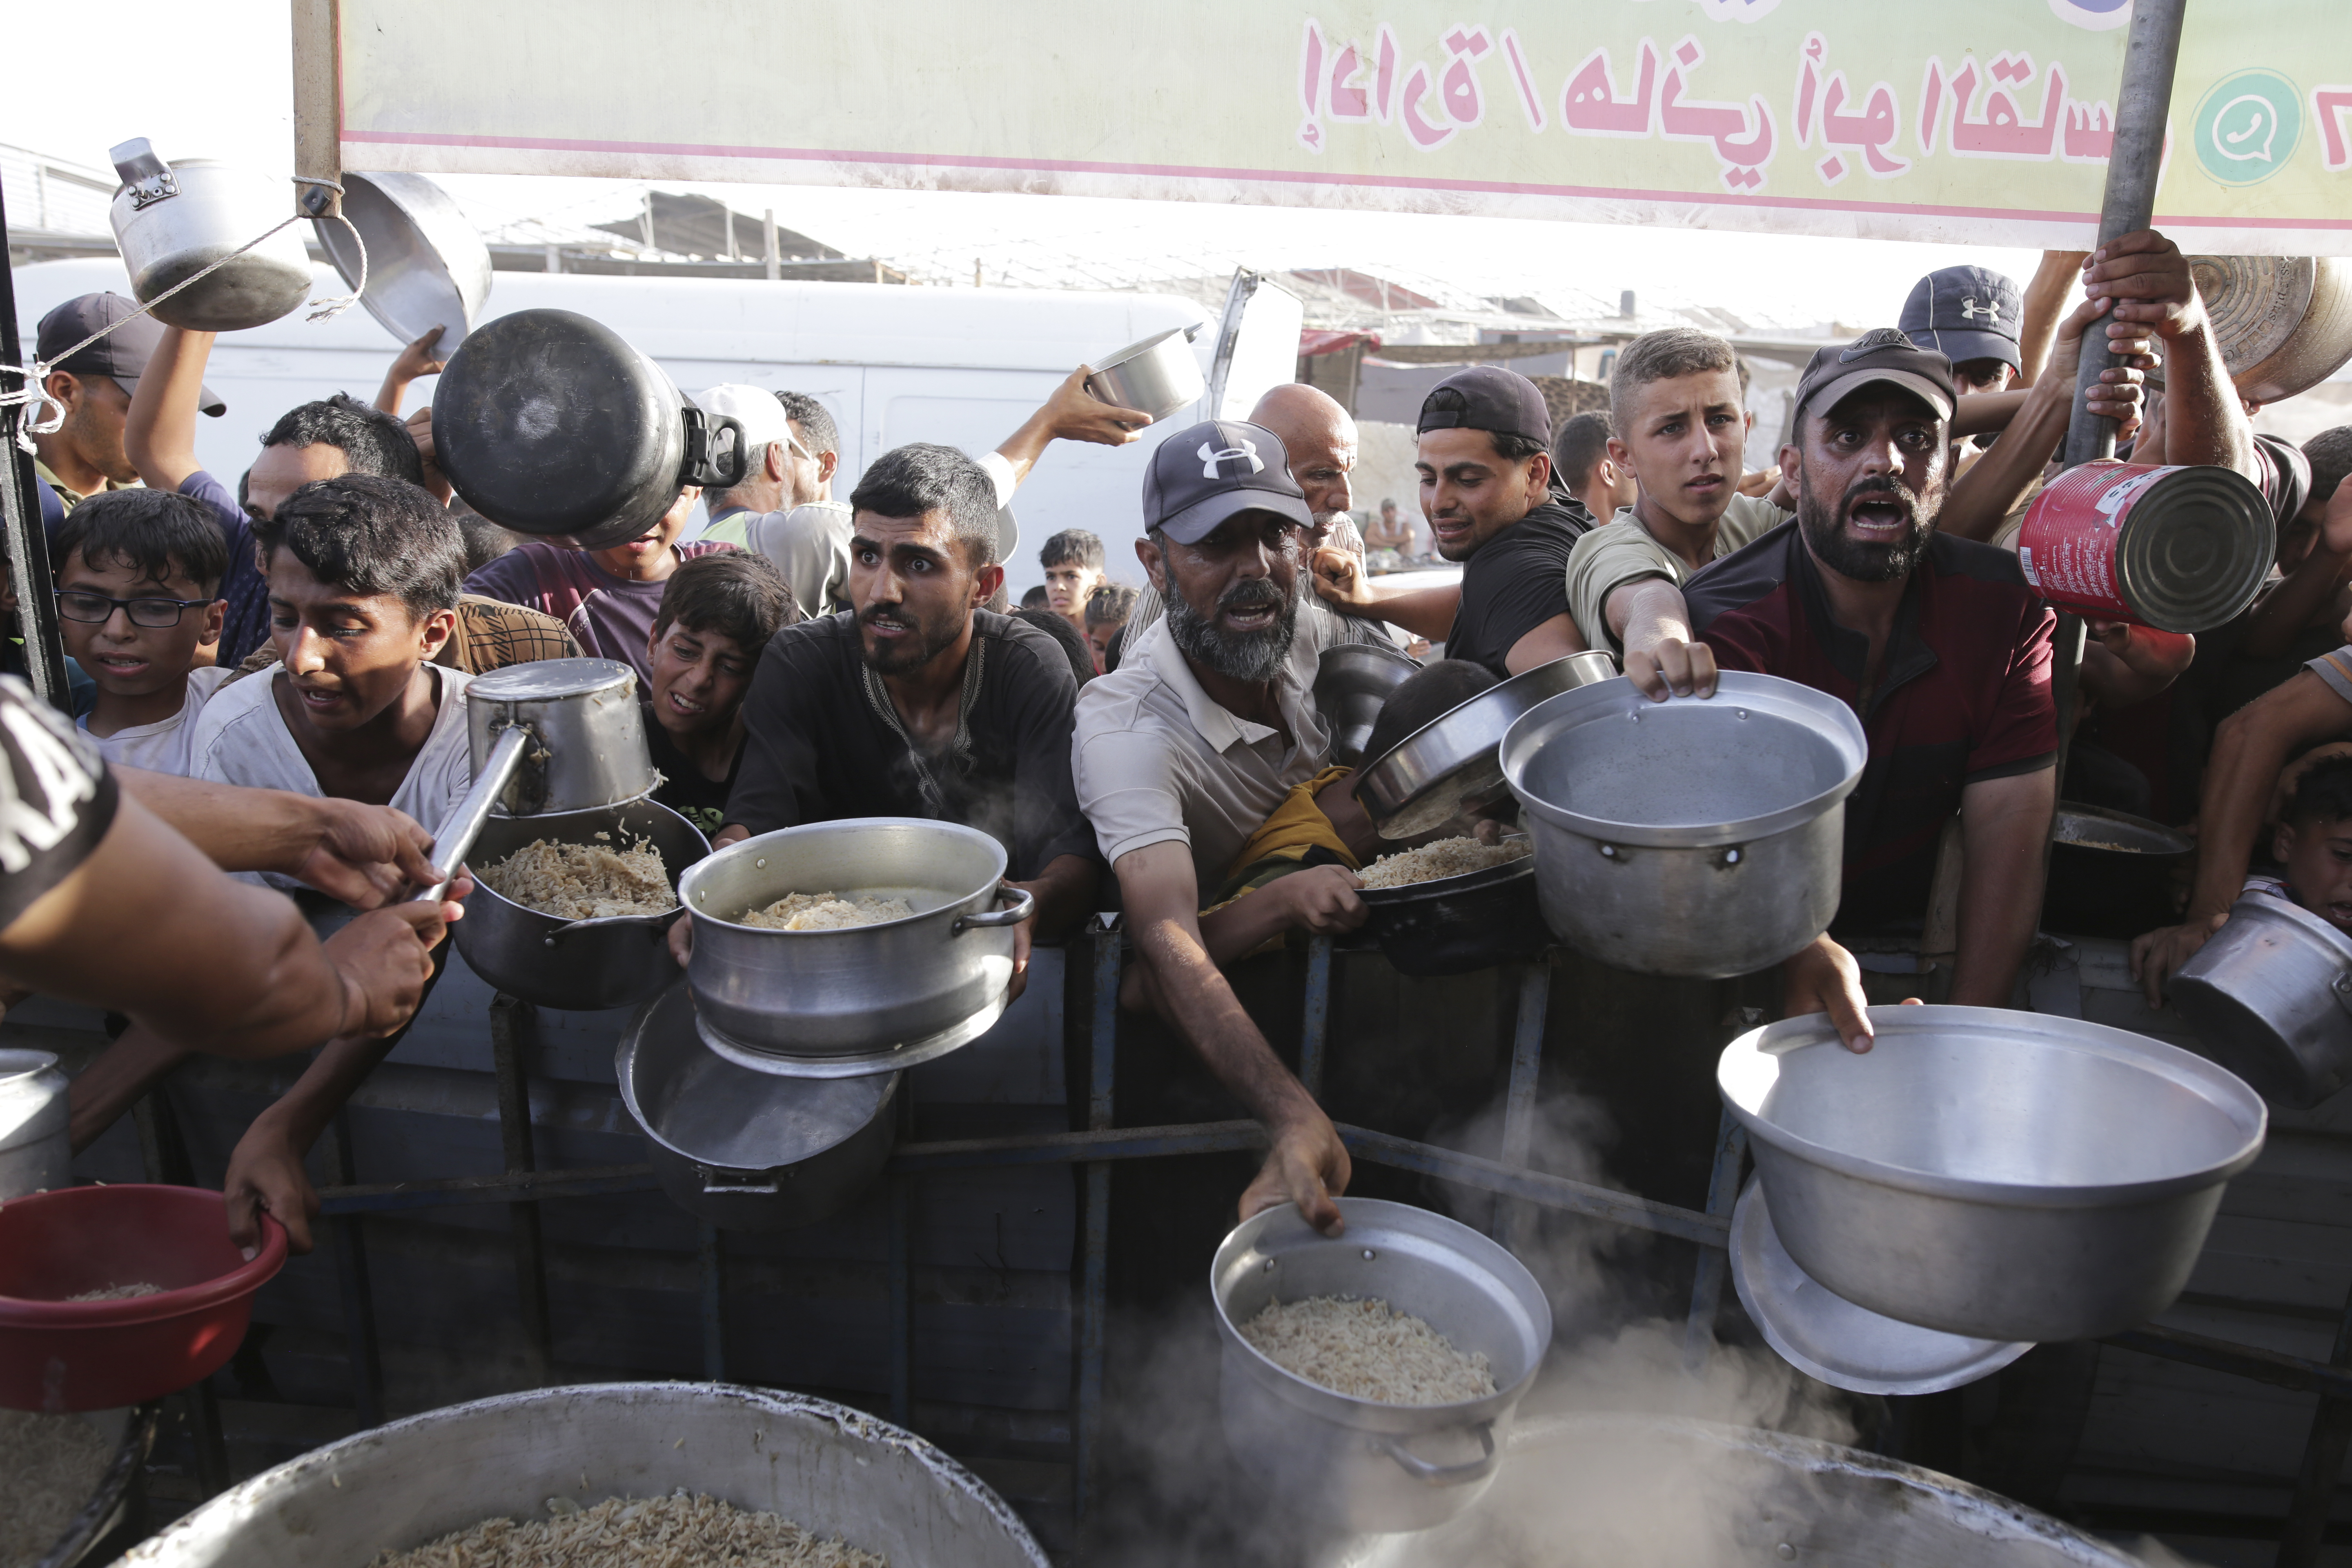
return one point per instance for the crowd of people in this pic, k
(279, 670)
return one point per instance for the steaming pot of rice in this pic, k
(573, 909)
(549, 1459)
(1374, 1374)
(840, 948)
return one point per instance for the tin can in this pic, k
(2179, 548)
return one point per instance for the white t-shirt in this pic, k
(242, 738)
(162, 747)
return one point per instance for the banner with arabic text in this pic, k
(1986, 123)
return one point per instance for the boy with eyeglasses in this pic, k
(138, 576)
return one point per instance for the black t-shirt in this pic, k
(60, 799)
(700, 800)
(823, 743)
(1517, 581)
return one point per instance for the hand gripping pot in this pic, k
(1363, 1464)
(1694, 837)
(173, 220)
(2270, 997)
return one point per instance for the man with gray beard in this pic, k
(1203, 745)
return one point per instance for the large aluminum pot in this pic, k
(1362, 1464)
(427, 265)
(1446, 772)
(1692, 837)
(1997, 1174)
(174, 220)
(618, 960)
(823, 1003)
(2270, 995)
(588, 727)
(745, 1150)
(1156, 376)
(1632, 1491)
(830, 1470)
(2284, 323)
(36, 1153)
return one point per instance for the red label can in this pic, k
(2179, 548)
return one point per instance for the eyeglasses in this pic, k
(97, 609)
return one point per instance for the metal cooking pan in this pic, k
(2111, 873)
(1453, 925)
(1156, 376)
(1447, 771)
(1352, 681)
(2270, 997)
(427, 266)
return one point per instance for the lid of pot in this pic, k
(550, 423)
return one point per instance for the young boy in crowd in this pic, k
(1073, 559)
(139, 575)
(2313, 844)
(1106, 615)
(716, 614)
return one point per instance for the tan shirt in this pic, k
(1621, 551)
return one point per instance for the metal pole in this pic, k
(1516, 1225)
(902, 1297)
(2143, 100)
(771, 254)
(1315, 1024)
(2322, 1463)
(1722, 1197)
(351, 1282)
(27, 547)
(510, 1023)
(709, 1250)
(1094, 1303)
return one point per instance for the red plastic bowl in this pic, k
(57, 1355)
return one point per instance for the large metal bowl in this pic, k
(1157, 376)
(1447, 771)
(427, 265)
(873, 999)
(1352, 680)
(1693, 836)
(2270, 997)
(1997, 1174)
(1358, 1462)
(830, 1470)
(617, 962)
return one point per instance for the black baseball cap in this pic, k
(1487, 397)
(1883, 353)
(1964, 313)
(123, 354)
(1200, 476)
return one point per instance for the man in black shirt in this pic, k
(1485, 460)
(916, 701)
(718, 612)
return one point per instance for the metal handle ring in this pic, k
(1462, 1474)
(1025, 903)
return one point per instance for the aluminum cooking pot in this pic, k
(1156, 376)
(828, 1468)
(1446, 771)
(35, 1148)
(618, 960)
(1351, 681)
(1998, 1174)
(2270, 995)
(2110, 873)
(745, 1150)
(552, 425)
(2284, 323)
(427, 265)
(1453, 925)
(173, 220)
(836, 1003)
(1365, 1465)
(1701, 837)
(587, 727)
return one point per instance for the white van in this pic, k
(892, 364)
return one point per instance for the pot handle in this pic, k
(718, 1181)
(146, 175)
(708, 464)
(1429, 1474)
(2341, 990)
(1023, 902)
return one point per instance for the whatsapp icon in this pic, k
(2247, 127)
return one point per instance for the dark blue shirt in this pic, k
(246, 623)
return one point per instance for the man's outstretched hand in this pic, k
(1308, 1165)
(1824, 978)
(1672, 667)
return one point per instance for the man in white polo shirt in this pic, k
(1207, 728)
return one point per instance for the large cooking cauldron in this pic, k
(551, 424)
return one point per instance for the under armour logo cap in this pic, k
(1198, 477)
(1965, 313)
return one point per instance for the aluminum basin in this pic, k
(1998, 1174)
(828, 1468)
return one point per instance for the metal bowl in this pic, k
(1156, 376)
(2270, 997)
(1352, 681)
(427, 266)
(132, 1431)
(2111, 873)
(617, 962)
(1452, 925)
(1446, 771)
(1996, 1174)
(830, 1470)
(1358, 1462)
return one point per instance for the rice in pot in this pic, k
(1445, 857)
(52, 1465)
(826, 911)
(675, 1531)
(583, 882)
(1367, 1349)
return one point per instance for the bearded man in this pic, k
(1936, 643)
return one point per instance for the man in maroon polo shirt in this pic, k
(1936, 643)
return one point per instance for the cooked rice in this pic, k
(1367, 1349)
(583, 882)
(827, 911)
(53, 1464)
(119, 1293)
(674, 1531)
(1445, 857)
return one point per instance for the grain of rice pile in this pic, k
(675, 1531)
(1445, 857)
(1367, 1350)
(583, 882)
(827, 911)
(51, 1464)
(119, 1293)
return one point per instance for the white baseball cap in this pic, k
(762, 417)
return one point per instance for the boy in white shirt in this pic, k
(138, 576)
